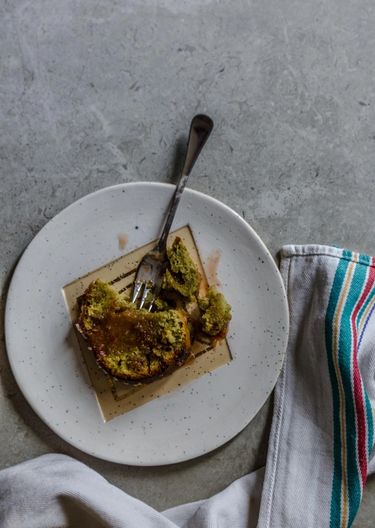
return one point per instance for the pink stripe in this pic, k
(358, 387)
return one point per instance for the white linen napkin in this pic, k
(322, 432)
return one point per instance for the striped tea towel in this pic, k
(322, 432)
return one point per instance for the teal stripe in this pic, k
(346, 345)
(335, 509)
(364, 259)
(347, 254)
(370, 425)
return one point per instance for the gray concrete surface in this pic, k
(93, 93)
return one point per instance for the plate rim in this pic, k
(10, 300)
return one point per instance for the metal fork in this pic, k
(150, 270)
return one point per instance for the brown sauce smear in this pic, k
(122, 241)
(212, 265)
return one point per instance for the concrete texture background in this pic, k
(94, 93)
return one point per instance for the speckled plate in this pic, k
(47, 363)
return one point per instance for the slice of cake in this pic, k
(130, 344)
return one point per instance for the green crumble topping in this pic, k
(99, 298)
(182, 274)
(216, 312)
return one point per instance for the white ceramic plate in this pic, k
(48, 366)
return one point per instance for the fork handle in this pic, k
(200, 129)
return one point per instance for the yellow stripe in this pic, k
(336, 327)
